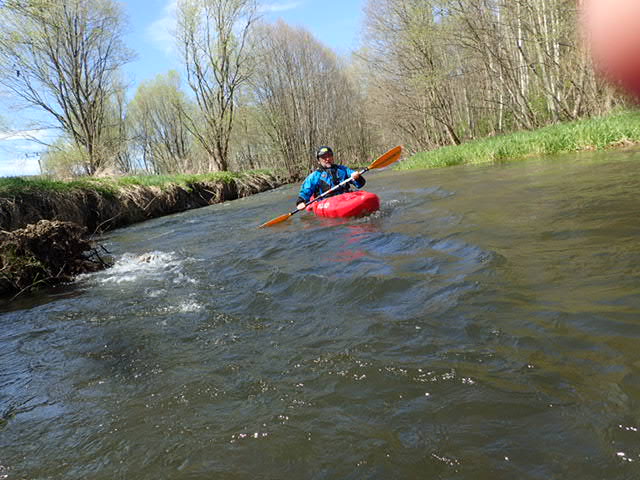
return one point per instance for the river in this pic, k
(485, 324)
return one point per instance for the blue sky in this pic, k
(336, 23)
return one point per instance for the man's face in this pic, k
(326, 160)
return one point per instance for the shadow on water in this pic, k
(483, 324)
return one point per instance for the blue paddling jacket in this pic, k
(322, 179)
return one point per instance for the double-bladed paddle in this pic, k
(383, 161)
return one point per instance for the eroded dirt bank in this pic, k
(45, 237)
(45, 254)
(98, 211)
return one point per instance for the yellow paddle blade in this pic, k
(276, 220)
(387, 159)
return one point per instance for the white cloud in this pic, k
(16, 167)
(20, 151)
(280, 6)
(162, 31)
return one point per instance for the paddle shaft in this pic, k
(333, 189)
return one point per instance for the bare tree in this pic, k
(63, 57)
(306, 98)
(157, 118)
(214, 37)
(452, 70)
(413, 70)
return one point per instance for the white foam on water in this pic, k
(185, 306)
(150, 266)
(155, 293)
(189, 306)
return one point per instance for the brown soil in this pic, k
(100, 212)
(45, 254)
(43, 235)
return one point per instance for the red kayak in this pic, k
(350, 204)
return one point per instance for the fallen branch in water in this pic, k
(45, 254)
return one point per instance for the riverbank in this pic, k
(46, 226)
(619, 129)
(102, 204)
(46, 254)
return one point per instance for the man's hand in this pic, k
(301, 206)
(355, 175)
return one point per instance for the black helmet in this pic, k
(323, 151)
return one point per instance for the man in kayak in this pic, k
(327, 175)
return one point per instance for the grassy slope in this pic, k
(110, 186)
(590, 134)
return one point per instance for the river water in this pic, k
(485, 324)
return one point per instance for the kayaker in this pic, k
(327, 175)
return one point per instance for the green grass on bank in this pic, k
(12, 186)
(589, 134)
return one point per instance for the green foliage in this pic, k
(180, 179)
(64, 58)
(11, 186)
(63, 159)
(591, 134)
(157, 118)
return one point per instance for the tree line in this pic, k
(264, 95)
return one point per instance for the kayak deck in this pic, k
(349, 204)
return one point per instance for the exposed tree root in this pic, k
(43, 235)
(45, 254)
(99, 212)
